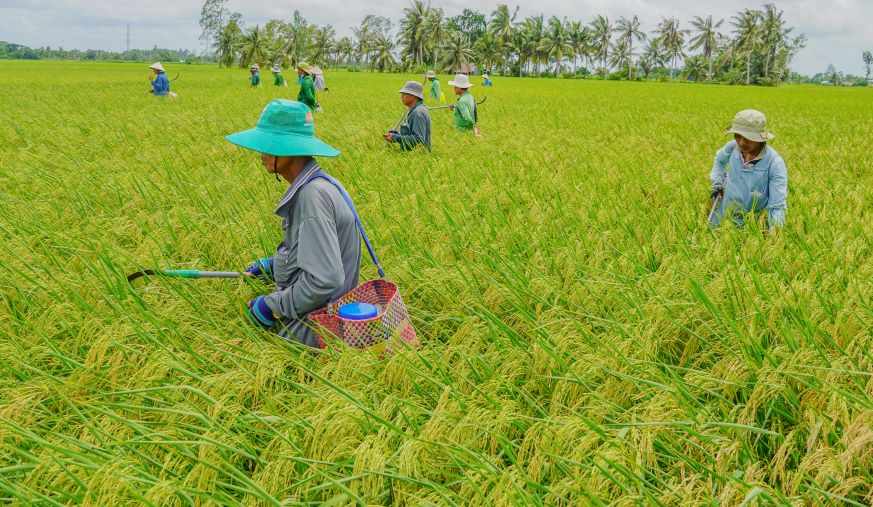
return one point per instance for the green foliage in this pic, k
(587, 339)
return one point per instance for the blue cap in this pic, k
(358, 311)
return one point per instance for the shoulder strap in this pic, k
(348, 200)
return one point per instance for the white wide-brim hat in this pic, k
(157, 66)
(461, 81)
(316, 71)
(255, 66)
(430, 74)
(752, 125)
(276, 69)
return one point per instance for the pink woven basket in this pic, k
(380, 334)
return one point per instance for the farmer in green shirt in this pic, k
(465, 109)
(319, 258)
(307, 86)
(278, 79)
(435, 92)
(256, 75)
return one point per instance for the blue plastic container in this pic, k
(358, 311)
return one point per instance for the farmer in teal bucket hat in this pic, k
(319, 258)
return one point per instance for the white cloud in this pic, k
(838, 30)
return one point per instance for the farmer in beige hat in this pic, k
(307, 86)
(416, 129)
(748, 175)
(465, 109)
(160, 84)
(255, 70)
(435, 92)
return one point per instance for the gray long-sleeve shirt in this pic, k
(319, 258)
(416, 129)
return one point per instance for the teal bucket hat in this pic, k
(285, 129)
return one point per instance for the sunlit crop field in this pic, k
(586, 338)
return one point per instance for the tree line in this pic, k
(18, 52)
(755, 46)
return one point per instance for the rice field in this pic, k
(586, 339)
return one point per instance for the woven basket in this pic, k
(379, 334)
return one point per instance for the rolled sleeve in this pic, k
(778, 194)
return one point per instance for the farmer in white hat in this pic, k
(465, 109)
(416, 129)
(435, 92)
(160, 84)
(306, 94)
(278, 80)
(319, 257)
(256, 75)
(318, 80)
(748, 175)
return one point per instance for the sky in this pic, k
(838, 30)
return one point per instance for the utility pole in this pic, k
(128, 37)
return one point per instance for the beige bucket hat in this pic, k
(304, 67)
(255, 66)
(461, 81)
(157, 66)
(752, 125)
(316, 71)
(430, 74)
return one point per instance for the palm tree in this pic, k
(629, 29)
(501, 27)
(382, 54)
(254, 48)
(695, 68)
(322, 44)
(345, 50)
(488, 49)
(672, 40)
(748, 36)
(621, 55)
(458, 52)
(412, 29)
(228, 43)
(435, 32)
(774, 35)
(602, 33)
(706, 38)
(578, 35)
(557, 43)
(536, 35)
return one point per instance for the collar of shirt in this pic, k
(308, 171)
(755, 160)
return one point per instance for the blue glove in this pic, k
(262, 268)
(260, 313)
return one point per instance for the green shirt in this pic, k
(256, 79)
(279, 81)
(307, 93)
(465, 113)
(435, 89)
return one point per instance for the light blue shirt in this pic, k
(761, 184)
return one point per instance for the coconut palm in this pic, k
(556, 43)
(458, 52)
(706, 38)
(695, 68)
(412, 30)
(322, 44)
(601, 36)
(620, 55)
(382, 54)
(578, 40)
(672, 40)
(488, 48)
(254, 47)
(228, 44)
(628, 30)
(774, 35)
(435, 32)
(748, 36)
